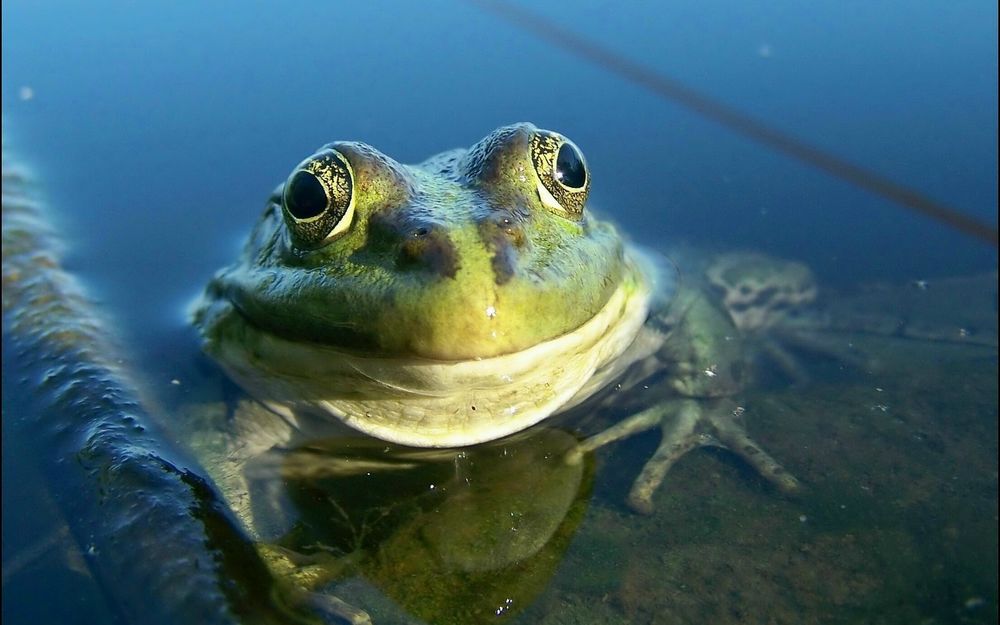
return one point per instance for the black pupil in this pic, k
(569, 167)
(305, 197)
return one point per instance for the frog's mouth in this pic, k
(373, 310)
(424, 402)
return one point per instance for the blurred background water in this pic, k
(158, 130)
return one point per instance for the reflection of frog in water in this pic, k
(450, 535)
(461, 301)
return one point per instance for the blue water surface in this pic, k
(158, 129)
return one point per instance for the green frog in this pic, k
(463, 300)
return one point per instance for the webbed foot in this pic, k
(687, 424)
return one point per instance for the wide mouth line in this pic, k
(637, 273)
(375, 353)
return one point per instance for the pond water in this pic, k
(156, 134)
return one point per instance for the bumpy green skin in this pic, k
(455, 258)
(704, 350)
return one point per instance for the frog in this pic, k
(456, 302)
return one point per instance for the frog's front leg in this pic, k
(703, 357)
(237, 444)
(245, 448)
(687, 424)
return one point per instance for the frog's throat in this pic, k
(426, 403)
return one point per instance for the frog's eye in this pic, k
(562, 173)
(318, 200)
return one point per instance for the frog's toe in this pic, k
(680, 435)
(306, 574)
(335, 610)
(728, 431)
(686, 425)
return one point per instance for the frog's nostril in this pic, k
(428, 249)
(504, 237)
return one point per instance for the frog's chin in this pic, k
(427, 403)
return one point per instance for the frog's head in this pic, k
(472, 254)
(441, 304)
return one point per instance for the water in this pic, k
(157, 133)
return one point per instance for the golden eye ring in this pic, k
(318, 199)
(564, 179)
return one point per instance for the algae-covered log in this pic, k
(156, 536)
